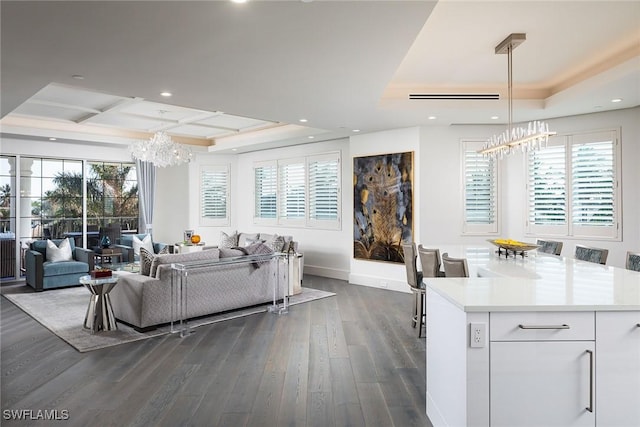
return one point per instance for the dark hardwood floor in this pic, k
(347, 360)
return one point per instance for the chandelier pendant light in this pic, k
(160, 150)
(535, 135)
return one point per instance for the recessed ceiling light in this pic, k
(311, 137)
(303, 120)
(77, 77)
(166, 94)
(494, 117)
(432, 117)
(616, 100)
(238, 1)
(356, 130)
(53, 139)
(234, 149)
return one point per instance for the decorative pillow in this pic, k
(146, 258)
(249, 242)
(228, 241)
(244, 238)
(59, 253)
(144, 243)
(276, 243)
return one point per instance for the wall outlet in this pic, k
(384, 284)
(478, 335)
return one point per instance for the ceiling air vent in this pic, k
(455, 96)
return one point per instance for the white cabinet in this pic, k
(542, 383)
(542, 368)
(618, 369)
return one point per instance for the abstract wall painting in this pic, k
(382, 206)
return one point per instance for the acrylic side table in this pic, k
(99, 315)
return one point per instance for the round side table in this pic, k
(99, 315)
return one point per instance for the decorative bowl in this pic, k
(195, 239)
(513, 245)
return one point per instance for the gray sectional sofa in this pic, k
(145, 301)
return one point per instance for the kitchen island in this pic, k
(534, 341)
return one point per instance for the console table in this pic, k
(543, 340)
(279, 264)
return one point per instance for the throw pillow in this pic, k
(144, 243)
(228, 240)
(146, 258)
(244, 238)
(276, 243)
(59, 253)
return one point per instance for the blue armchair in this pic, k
(43, 274)
(125, 244)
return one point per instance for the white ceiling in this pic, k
(243, 75)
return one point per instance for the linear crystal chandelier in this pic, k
(535, 135)
(160, 150)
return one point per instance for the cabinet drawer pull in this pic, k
(590, 407)
(543, 326)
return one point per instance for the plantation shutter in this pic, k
(292, 190)
(214, 195)
(480, 190)
(593, 184)
(266, 180)
(547, 186)
(324, 188)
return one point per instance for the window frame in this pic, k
(469, 228)
(570, 229)
(305, 221)
(215, 222)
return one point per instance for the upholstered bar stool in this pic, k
(430, 261)
(633, 261)
(414, 279)
(455, 267)
(549, 247)
(597, 255)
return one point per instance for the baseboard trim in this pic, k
(331, 273)
(378, 282)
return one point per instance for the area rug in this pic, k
(62, 312)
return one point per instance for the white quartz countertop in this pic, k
(538, 282)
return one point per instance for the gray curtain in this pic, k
(146, 172)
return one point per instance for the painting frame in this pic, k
(382, 206)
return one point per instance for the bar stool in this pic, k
(414, 279)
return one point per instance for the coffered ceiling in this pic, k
(243, 76)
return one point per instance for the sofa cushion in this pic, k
(59, 252)
(228, 240)
(64, 267)
(210, 254)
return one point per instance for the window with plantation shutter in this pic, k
(266, 190)
(573, 187)
(292, 191)
(214, 195)
(324, 190)
(480, 190)
(300, 192)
